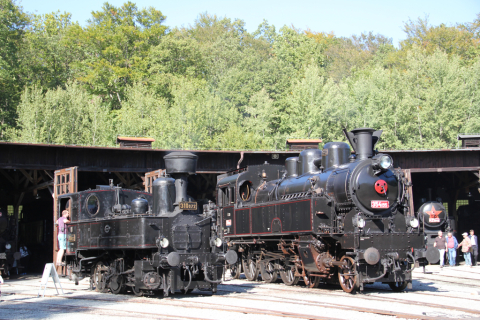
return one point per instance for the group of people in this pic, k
(450, 245)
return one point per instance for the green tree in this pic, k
(143, 114)
(296, 48)
(63, 116)
(174, 57)
(197, 117)
(116, 43)
(261, 120)
(13, 23)
(459, 39)
(472, 104)
(305, 110)
(49, 55)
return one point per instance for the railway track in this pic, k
(376, 298)
(163, 302)
(231, 292)
(254, 299)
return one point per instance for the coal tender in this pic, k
(145, 243)
(327, 216)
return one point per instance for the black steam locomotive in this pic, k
(127, 239)
(326, 216)
(433, 217)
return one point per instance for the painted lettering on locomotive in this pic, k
(326, 216)
(126, 239)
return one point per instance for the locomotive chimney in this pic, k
(180, 165)
(363, 140)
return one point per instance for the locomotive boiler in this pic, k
(326, 216)
(147, 243)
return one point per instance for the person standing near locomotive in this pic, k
(25, 258)
(1, 282)
(465, 244)
(452, 245)
(62, 235)
(440, 244)
(474, 247)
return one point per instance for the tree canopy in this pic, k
(214, 85)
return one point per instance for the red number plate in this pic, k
(379, 204)
(434, 220)
(228, 223)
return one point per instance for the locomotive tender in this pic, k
(146, 242)
(325, 216)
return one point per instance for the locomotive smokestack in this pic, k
(363, 140)
(180, 165)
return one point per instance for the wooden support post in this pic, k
(16, 212)
(455, 215)
(122, 179)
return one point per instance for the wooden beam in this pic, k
(40, 186)
(44, 176)
(20, 199)
(105, 180)
(48, 174)
(121, 178)
(138, 186)
(5, 174)
(27, 175)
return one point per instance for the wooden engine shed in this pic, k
(32, 175)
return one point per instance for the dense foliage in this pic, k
(213, 85)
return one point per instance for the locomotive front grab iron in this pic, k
(325, 216)
(157, 242)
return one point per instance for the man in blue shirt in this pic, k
(452, 245)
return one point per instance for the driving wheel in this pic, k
(137, 292)
(313, 282)
(250, 269)
(236, 270)
(347, 274)
(398, 286)
(117, 284)
(269, 274)
(98, 277)
(186, 291)
(288, 276)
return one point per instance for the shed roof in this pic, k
(468, 136)
(137, 139)
(304, 140)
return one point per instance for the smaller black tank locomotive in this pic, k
(146, 242)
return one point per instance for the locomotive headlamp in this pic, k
(218, 242)
(414, 223)
(386, 162)
(164, 243)
(360, 222)
(8, 246)
(382, 162)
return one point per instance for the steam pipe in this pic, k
(241, 159)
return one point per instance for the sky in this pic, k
(343, 18)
